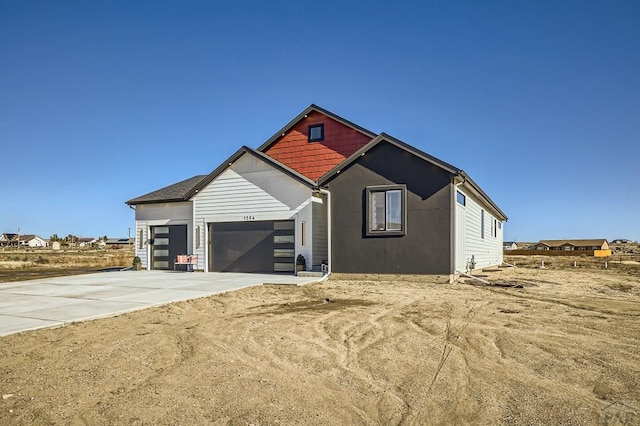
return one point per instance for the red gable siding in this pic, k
(314, 159)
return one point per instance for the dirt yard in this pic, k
(564, 349)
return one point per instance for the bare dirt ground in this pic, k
(397, 350)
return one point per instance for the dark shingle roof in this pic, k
(176, 192)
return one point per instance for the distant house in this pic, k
(573, 245)
(7, 240)
(86, 241)
(620, 241)
(510, 245)
(120, 242)
(27, 240)
(32, 241)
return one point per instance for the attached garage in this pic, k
(252, 246)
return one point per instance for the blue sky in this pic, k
(103, 101)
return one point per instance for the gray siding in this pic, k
(320, 240)
(426, 247)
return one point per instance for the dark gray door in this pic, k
(263, 246)
(167, 242)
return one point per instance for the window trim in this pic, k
(321, 138)
(482, 224)
(403, 214)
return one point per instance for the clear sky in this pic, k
(103, 101)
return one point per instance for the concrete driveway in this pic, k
(51, 302)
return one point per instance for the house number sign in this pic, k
(249, 218)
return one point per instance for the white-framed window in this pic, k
(482, 224)
(461, 198)
(386, 212)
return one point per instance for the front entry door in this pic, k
(167, 243)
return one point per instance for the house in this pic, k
(119, 242)
(347, 199)
(585, 247)
(7, 240)
(510, 245)
(32, 241)
(573, 245)
(621, 241)
(26, 240)
(85, 241)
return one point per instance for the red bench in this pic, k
(186, 259)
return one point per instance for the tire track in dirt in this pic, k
(354, 338)
(184, 351)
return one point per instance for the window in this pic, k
(482, 224)
(461, 198)
(386, 210)
(499, 225)
(141, 239)
(316, 132)
(283, 239)
(197, 237)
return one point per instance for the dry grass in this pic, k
(561, 350)
(39, 263)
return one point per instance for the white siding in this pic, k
(37, 242)
(148, 215)
(485, 251)
(250, 189)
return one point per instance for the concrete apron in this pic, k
(52, 302)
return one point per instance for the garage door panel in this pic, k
(264, 246)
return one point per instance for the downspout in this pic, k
(329, 231)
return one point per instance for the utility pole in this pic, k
(18, 243)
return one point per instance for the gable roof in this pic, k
(303, 115)
(578, 243)
(235, 157)
(171, 193)
(383, 137)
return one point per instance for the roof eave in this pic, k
(482, 194)
(168, 200)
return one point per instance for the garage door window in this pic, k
(283, 252)
(284, 239)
